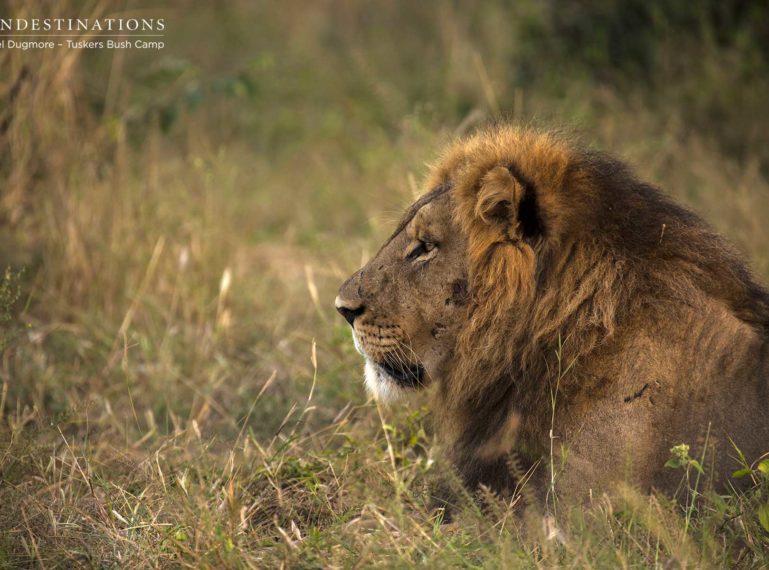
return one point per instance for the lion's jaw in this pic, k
(379, 384)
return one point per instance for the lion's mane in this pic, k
(568, 251)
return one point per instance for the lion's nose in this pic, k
(350, 311)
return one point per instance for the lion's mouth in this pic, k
(406, 374)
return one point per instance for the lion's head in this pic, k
(405, 305)
(461, 258)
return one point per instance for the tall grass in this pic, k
(176, 389)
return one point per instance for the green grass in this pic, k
(176, 389)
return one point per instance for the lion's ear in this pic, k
(498, 201)
(502, 262)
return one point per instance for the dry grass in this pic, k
(176, 388)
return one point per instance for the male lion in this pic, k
(540, 284)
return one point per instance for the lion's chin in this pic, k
(381, 384)
(383, 387)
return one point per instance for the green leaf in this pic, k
(742, 472)
(180, 535)
(696, 464)
(763, 516)
(763, 467)
(673, 463)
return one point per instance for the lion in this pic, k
(561, 309)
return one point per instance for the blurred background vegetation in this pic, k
(176, 388)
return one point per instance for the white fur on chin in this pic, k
(380, 385)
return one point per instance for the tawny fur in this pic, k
(587, 286)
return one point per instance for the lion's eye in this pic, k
(421, 249)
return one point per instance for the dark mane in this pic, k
(608, 247)
(594, 289)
